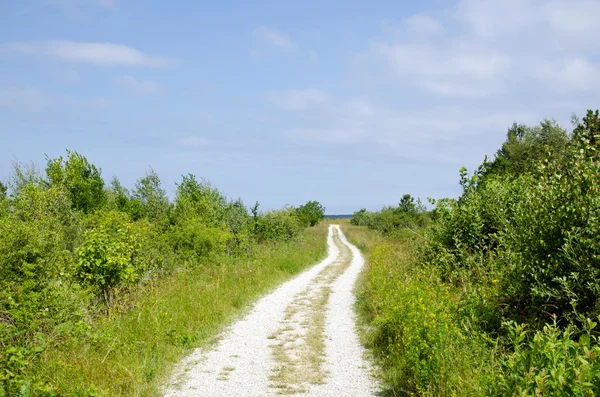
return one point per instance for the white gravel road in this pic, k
(301, 314)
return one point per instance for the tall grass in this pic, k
(131, 354)
(411, 323)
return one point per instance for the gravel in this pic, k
(242, 362)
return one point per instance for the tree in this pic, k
(311, 213)
(589, 128)
(407, 204)
(525, 147)
(81, 179)
(149, 199)
(200, 200)
(3, 190)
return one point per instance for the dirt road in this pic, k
(300, 339)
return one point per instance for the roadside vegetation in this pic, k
(103, 289)
(496, 292)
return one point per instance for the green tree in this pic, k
(526, 146)
(311, 213)
(588, 129)
(81, 179)
(149, 199)
(199, 200)
(3, 190)
(407, 204)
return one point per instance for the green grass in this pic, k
(409, 322)
(132, 351)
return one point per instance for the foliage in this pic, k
(149, 200)
(414, 331)
(311, 213)
(551, 362)
(519, 246)
(195, 240)
(81, 179)
(105, 259)
(409, 214)
(526, 146)
(76, 253)
(278, 225)
(199, 200)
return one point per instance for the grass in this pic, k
(411, 324)
(133, 353)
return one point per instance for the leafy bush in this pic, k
(278, 225)
(311, 213)
(416, 335)
(80, 178)
(105, 259)
(195, 240)
(551, 362)
(199, 200)
(520, 245)
(409, 214)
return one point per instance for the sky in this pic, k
(350, 103)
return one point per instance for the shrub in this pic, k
(278, 225)
(550, 362)
(195, 240)
(105, 259)
(81, 180)
(311, 213)
(422, 344)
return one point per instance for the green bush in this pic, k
(409, 214)
(194, 240)
(74, 253)
(550, 362)
(278, 225)
(105, 259)
(416, 334)
(80, 179)
(311, 213)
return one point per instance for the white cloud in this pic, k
(140, 87)
(297, 99)
(570, 75)
(274, 37)
(192, 141)
(104, 54)
(453, 69)
(23, 99)
(487, 48)
(360, 107)
(422, 24)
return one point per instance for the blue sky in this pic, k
(349, 103)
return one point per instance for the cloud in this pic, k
(297, 99)
(274, 37)
(102, 54)
(444, 68)
(557, 24)
(192, 141)
(140, 87)
(484, 49)
(571, 75)
(360, 107)
(422, 24)
(23, 99)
